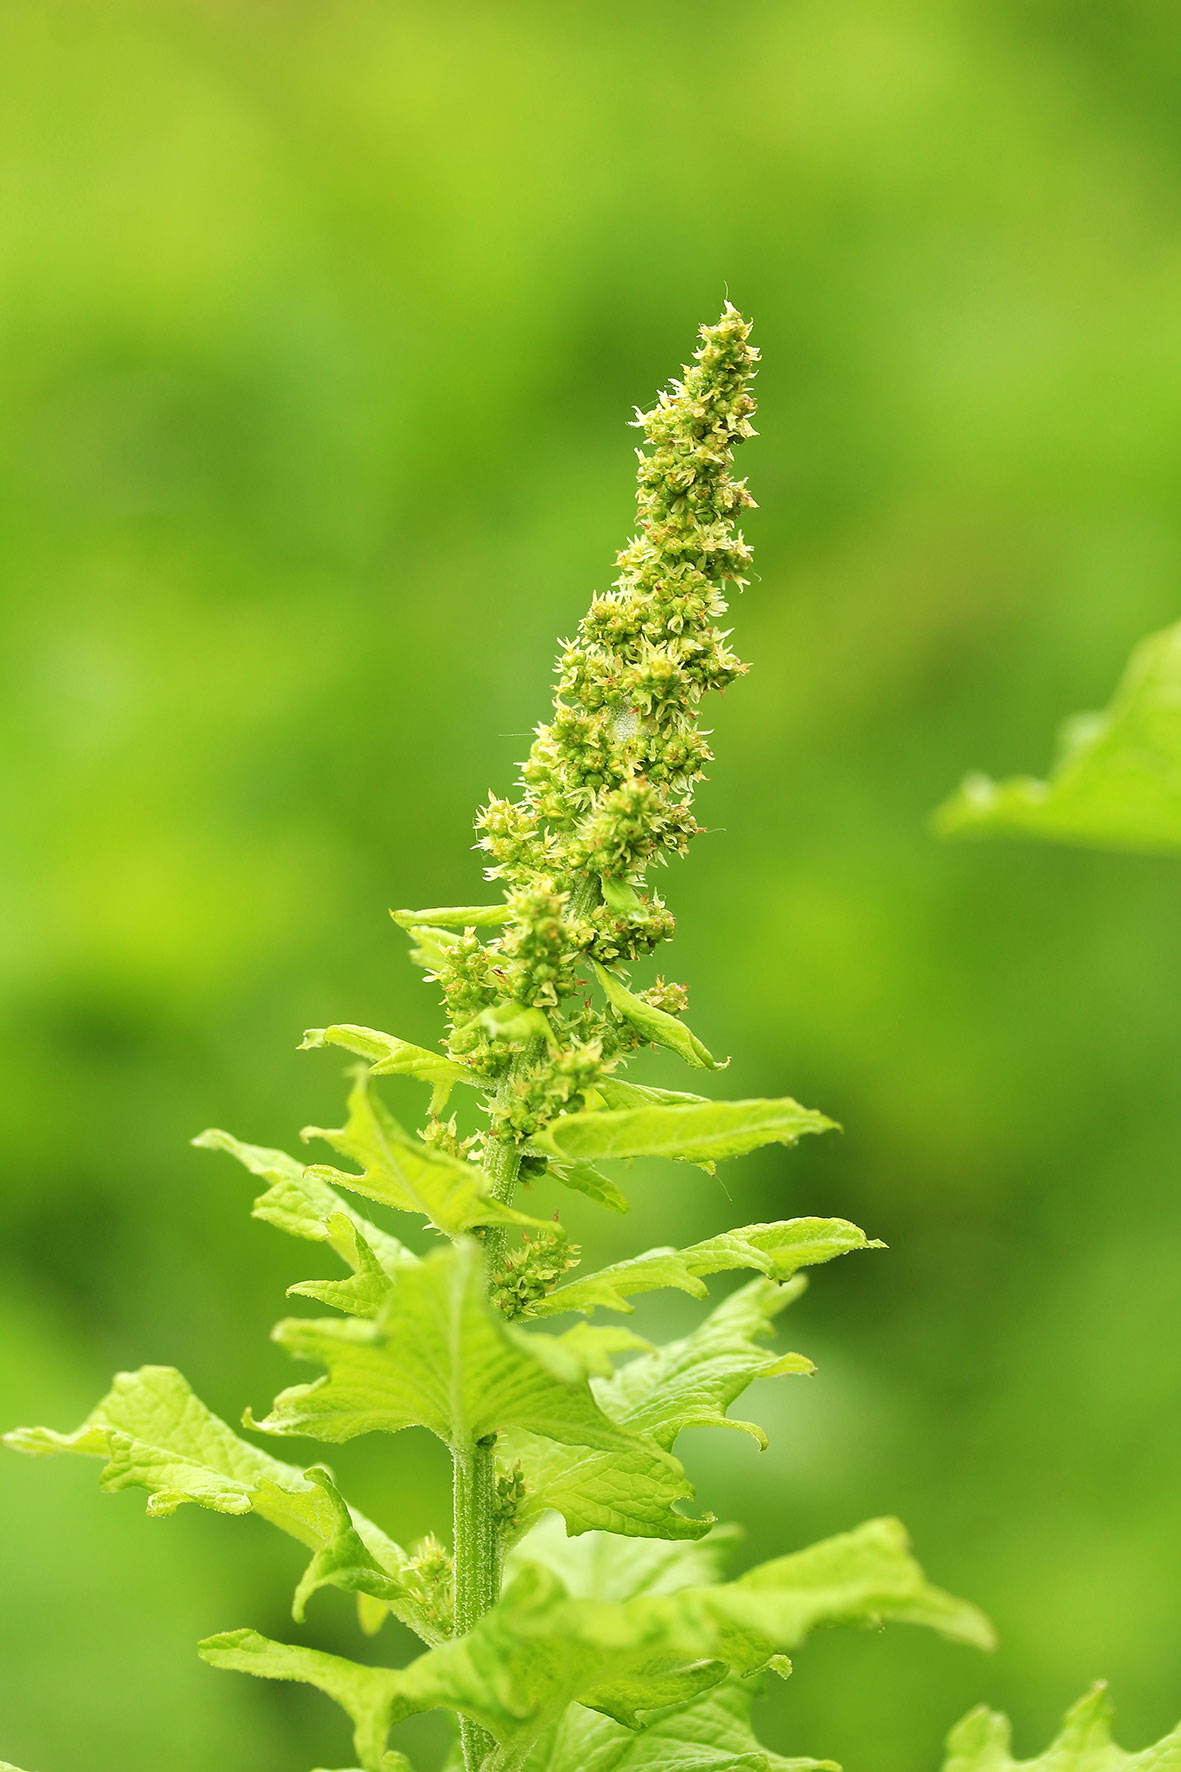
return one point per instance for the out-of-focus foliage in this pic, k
(981, 1744)
(1117, 781)
(320, 326)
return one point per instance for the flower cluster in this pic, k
(532, 1270)
(608, 783)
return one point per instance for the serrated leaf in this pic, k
(656, 1025)
(697, 1132)
(689, 1383)
(363, 1293)
(302, 1204)
(464, 916)
(712, 1733)
(401, 1171)
(157, 1435)
(604, 1566)
(439, 1357)
(1116, 783)
(391, 1057)
(981, 1743)
(778, 1250)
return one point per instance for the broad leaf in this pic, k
(689, 1383)
(156, 1435)
(697, 1132)
(464, 916)
(403, 1172)
(712, 1733)
(981, 1743)
(439, 1357)
(300, 1203)
(656, 1025)
(777, 1250)
(391, 1057)
(1116, 783)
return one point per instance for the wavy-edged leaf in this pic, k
(689, 1383)
(401, 1171)
(778, 1250)
(1116, 783)
(155, 1434)
(711, 1733)
(366, 1288)
(656, 1025)
(302, 1204)
(463, 916)
(367, 1694)
(391, 1057)
(439, 1357)
(866, 1577)
(583, 1178)
(604, 1566)
(695, 1132)
(981, 1743)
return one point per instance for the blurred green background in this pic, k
(321, 325)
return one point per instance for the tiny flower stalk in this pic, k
(583, 1600)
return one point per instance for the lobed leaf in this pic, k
(777, 1250)
(711, 1733)
(539, 1650)
(403, 1172)
(439, 1357)
(689, 1383)
(695, 1132)
(389, 1056)
(299, 1202)
(981, 1743)
(157, 1435)
(656, 1025)
(1116, 783)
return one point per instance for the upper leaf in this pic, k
(777, 1250)
(391, 1057)
(439, 1357)
(689, 1383)
(463, 916)
(299, 1202)
(656, 1025)
(156, 1435)
(696, 1132)
(1116, 783)
(403, 1172)
(980, 1743)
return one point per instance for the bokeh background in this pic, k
(321, 324)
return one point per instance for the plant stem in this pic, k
(476, 1532)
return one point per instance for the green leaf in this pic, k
(981, 1743)
(777, 1250)
(689, 1383)
(615, 1092)
(403, 1172)
(711, 1733)
(864, 1577)
(156, 1435)
(584, 1178)
(363, 1293)
(439, 1357)
(368, 1694)
(390, 1056)
(464, 916)
(656, 1025)
(517, 1022)
(300, 1203)
(697, 1132)
(1116, 783)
